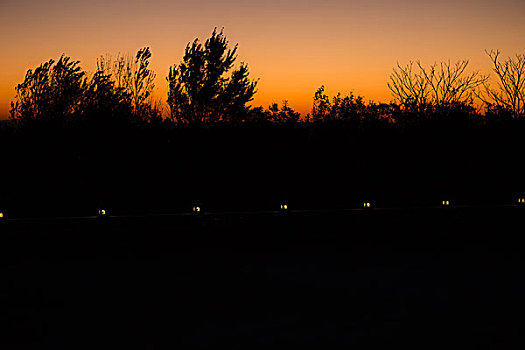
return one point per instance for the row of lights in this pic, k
(284, 207)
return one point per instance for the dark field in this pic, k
(429, 277)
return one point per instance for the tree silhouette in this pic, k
(199, 90)
(510, 94)
(283, 114)
(440, 85)
(321, 108)
(52, 92)
(346, 108)
(102, 101)
(133, 77)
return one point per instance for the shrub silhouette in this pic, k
(348, 108)
(283, 114)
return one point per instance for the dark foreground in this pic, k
(428, 277)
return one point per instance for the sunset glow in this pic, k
(291, 46)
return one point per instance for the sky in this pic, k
(291, 46)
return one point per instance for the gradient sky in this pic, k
(292, 46)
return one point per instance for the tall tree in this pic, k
(133, 76)
(52, 92)
(200, 90)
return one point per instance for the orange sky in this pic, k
(292, 46)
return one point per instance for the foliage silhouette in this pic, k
(283, 114)
(103, 102)
(51, 93)
(348, 108)
(58, 93)
(200, 91)
(134, 78)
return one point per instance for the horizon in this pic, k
(346, 47)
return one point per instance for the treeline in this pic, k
(205, 88)
(77, 141)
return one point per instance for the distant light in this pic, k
(1, 215)
(284, 206)
(196, 209)
(521, 200)
(101, 212)
(366, 205)
(445, 203)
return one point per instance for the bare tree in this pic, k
(439, 85)
(510, 91)
(409, 88)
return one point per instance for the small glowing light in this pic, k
(196, 209)
(102, 212)
(284, 206)
(445, 203)
(1, 215)
(366, 205)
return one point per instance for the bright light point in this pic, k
(284, 206)
(196, 209)
(102, 212)
(366, 205)
(1, 215)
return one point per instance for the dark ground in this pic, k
(425, 277)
